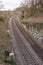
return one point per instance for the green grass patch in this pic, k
(26, 23)
(12, 62)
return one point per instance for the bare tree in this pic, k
(1, 5)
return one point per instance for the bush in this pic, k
(2, 19)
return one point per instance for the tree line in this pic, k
(31, 7)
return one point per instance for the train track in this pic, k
(32, 42)
(28, 58)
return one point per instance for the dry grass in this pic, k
(5, 43)
(5, 40)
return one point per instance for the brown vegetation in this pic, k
(5, 43)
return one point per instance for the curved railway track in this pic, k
(32, 42)
(28, 58)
